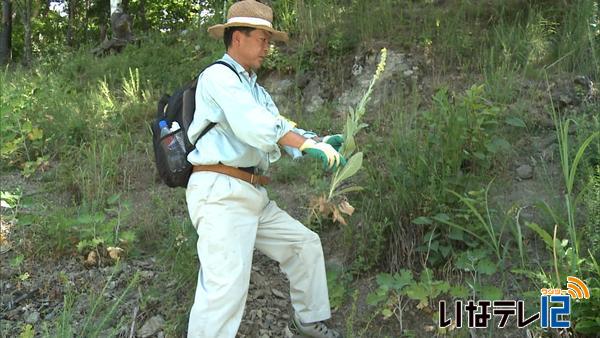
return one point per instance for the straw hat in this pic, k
(249, 13)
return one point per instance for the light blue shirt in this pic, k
(248, 122)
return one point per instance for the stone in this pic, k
(32, 317)
(525, 172)
(258, 279)
(278, 293)
(396, 64)
(147, 274)
(315, 103)
(151, 327)
(583, 80)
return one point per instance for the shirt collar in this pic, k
(239, 68)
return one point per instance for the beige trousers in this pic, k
(232, 217)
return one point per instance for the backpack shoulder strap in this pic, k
(226, 64)
(218, 62)
(212, 124)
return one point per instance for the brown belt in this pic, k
(233, 172)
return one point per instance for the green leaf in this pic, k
(400, 281)
(113, 199)
(541, 232)
(497, 144)
(385, 280)
(16, 261)
(127, 237)
(25, 220)
(417, 292)
(10, 147)
(347, 190)
(445, 250)
(441, 217)
(351, 168)
(387, 313)
(587, 326)
(362, 126)
(90, 219)
(479, 155)
(441, 287)
(377, 297)
(456, 234)
(577, 158)
(464, 262)
(486, 267)
(515, 121)
(489, 292)
(421, 220)
(459, 291)
(35, 134)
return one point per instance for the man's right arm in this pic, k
(251, 122)
(292, 139)
(320, 150)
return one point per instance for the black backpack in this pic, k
(180, 107)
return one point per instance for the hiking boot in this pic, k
(315, 330)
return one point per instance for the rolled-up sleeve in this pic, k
(251, 122)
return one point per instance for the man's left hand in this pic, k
(336, 141)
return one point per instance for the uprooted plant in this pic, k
(335, 203)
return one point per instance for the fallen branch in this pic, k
(132, 330)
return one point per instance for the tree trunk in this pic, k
(6, 35)
(142, 15)
(26, 17)
(86, 19)
(45, 8)
(70, 22)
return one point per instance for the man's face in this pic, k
(253, 48)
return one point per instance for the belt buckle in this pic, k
(252, 180)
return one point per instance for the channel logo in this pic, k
(555, 309)
(577, 289)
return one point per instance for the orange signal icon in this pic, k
(577, 288)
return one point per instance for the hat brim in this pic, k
(217, 31)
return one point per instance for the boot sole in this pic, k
(289, 334)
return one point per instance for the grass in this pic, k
(569, 165)
(86, 119)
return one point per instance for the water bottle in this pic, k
(178, 136)
(173, 146)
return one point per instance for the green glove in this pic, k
(335, 141)
(323, 151)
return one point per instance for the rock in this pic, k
(312, 98)
(397, 64)
(33, 317)
(584, 81)
(281, 89)
(548, 153)
(565, 100)
(278, 293)
(146, 274)
(315, 103)
(525, 172)
(258, 279)
(151, 326)
(357, 69)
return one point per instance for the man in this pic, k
(227, 202)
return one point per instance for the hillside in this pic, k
(480, 173)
